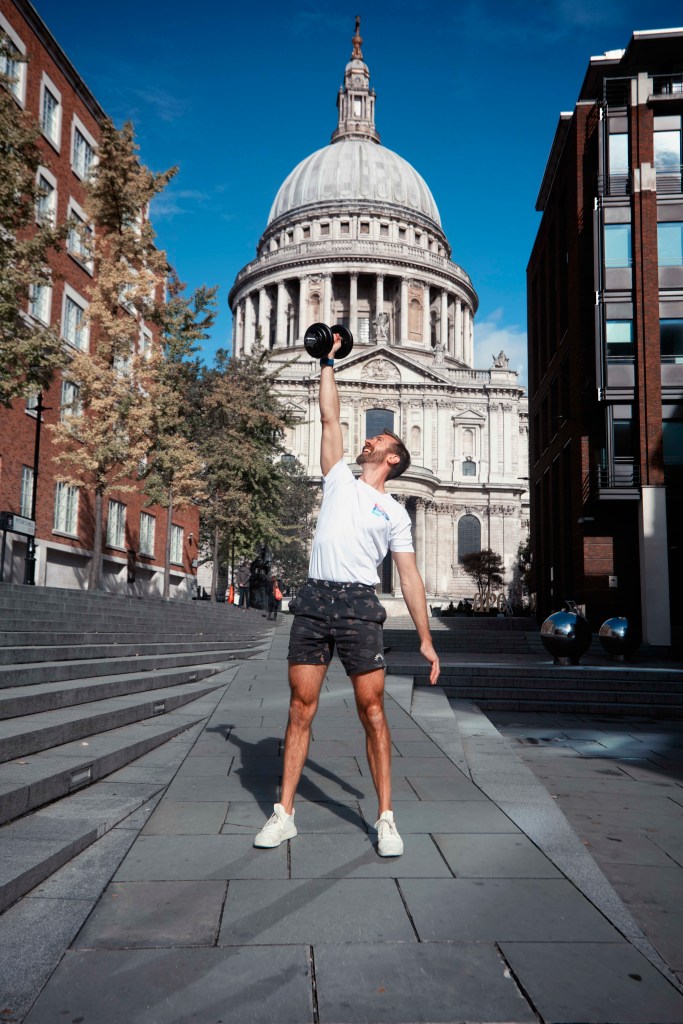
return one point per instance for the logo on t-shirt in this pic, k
(379, 511)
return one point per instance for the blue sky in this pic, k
(237, 95)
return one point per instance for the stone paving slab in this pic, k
(595, 983)
(494, 856)
(469, 816)
(317, 818)
(493, 910)
(397, 983)
(178, 986)
(177, 817)
(152, 914)
(355, 856)
(315, 910)
(184, 858)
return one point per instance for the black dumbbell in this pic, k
(318, 340)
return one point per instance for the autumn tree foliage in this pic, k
(174, 470)
(30, 351)
(105, 437)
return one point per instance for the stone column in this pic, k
(444, 319)
(404, 310)
(263, 319)
(419, 538)
(281, 324)
(327, 299)
(426, 324)
(249, 324)
(235, 315)
(466, 335)
(471, 338)
(353, 303)
(431, 553)
(458, 350)
(395, 578)
(303, 307)
(379, 296)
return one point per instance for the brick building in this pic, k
(605, 302)
(48, 87)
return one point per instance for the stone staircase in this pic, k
(89, 683)
(522, 676)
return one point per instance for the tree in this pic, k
(242, 425)
(485, 567)
(30, 351)
(174, 467)
(297, 500)
(106, 438)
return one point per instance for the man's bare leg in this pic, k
(305, 683)
(368, 688)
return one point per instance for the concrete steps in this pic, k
(88, 684)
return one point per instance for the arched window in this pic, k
(377, 420)
(468, 441)
(415, 439)
(469, 536)
(314, 307)
(415, 318)
(345, 435)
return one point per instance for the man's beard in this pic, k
(373, 456)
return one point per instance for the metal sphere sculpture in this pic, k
(618, 637)
(566, 635)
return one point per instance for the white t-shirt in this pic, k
(357, 525)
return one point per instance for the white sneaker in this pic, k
(280, 826)
(389, 842)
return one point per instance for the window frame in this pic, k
(45, 287)
(71, 295)
(177, 537)
(47, 85)
(78, 126)
(75, 212)
(18, 91)
(676, 261)
(50, 215)
(26, 493)
(116, 521)
(610, 230)
(148, 524)
(66, 524)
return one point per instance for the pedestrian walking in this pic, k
(274, 598)
(338, 607)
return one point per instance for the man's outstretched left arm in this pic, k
(413, 592)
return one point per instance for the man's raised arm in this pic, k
(332, 445)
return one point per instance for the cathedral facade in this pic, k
(354, 237)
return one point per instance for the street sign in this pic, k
(17, 524)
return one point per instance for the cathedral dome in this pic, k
(355, 169)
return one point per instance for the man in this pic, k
(358, 522)
(242, 579)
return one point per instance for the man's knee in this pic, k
(301, 711)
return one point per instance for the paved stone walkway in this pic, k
(475, 922)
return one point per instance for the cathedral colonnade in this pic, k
(376, 307)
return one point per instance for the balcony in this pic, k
(665, 87)
(617, 482)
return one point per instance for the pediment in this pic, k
(469, 414)
(296, 409)
(389, 365)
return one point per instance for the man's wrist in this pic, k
(326, 361)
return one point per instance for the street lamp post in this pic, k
(30, 559)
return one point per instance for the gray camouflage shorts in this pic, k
(347, 616)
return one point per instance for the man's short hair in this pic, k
(397, 448)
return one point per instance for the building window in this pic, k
(469, 536)
(12, 67)
(468, 441)
(619, 339)
(82, 151)
(402, 234)
(378, 420)
(40, 296)
(177, 544)
(415, 440)
(51, 114)
(667, 146)
(74, 329)
(324, 230)
(70, 400)
(344, 228)
(617, 245)
(469, 468)
(670, 243)
(66, 509)
(116, 524)
(363, 330)
(671, 341)
(147, 527)
(672, 442)
(365, 227)
(384, 230)
(46, 201)
(357, 106)
(26, 502)
(79, 236)
(306, 232)
(32, 403)
(618, 153)
(622, 439)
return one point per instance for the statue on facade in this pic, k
(381, 325)
(501, 361)
(438, 352)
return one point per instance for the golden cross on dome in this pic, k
(357, 42)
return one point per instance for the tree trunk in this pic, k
(214, 573)
(167, 551)
(95, 570)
